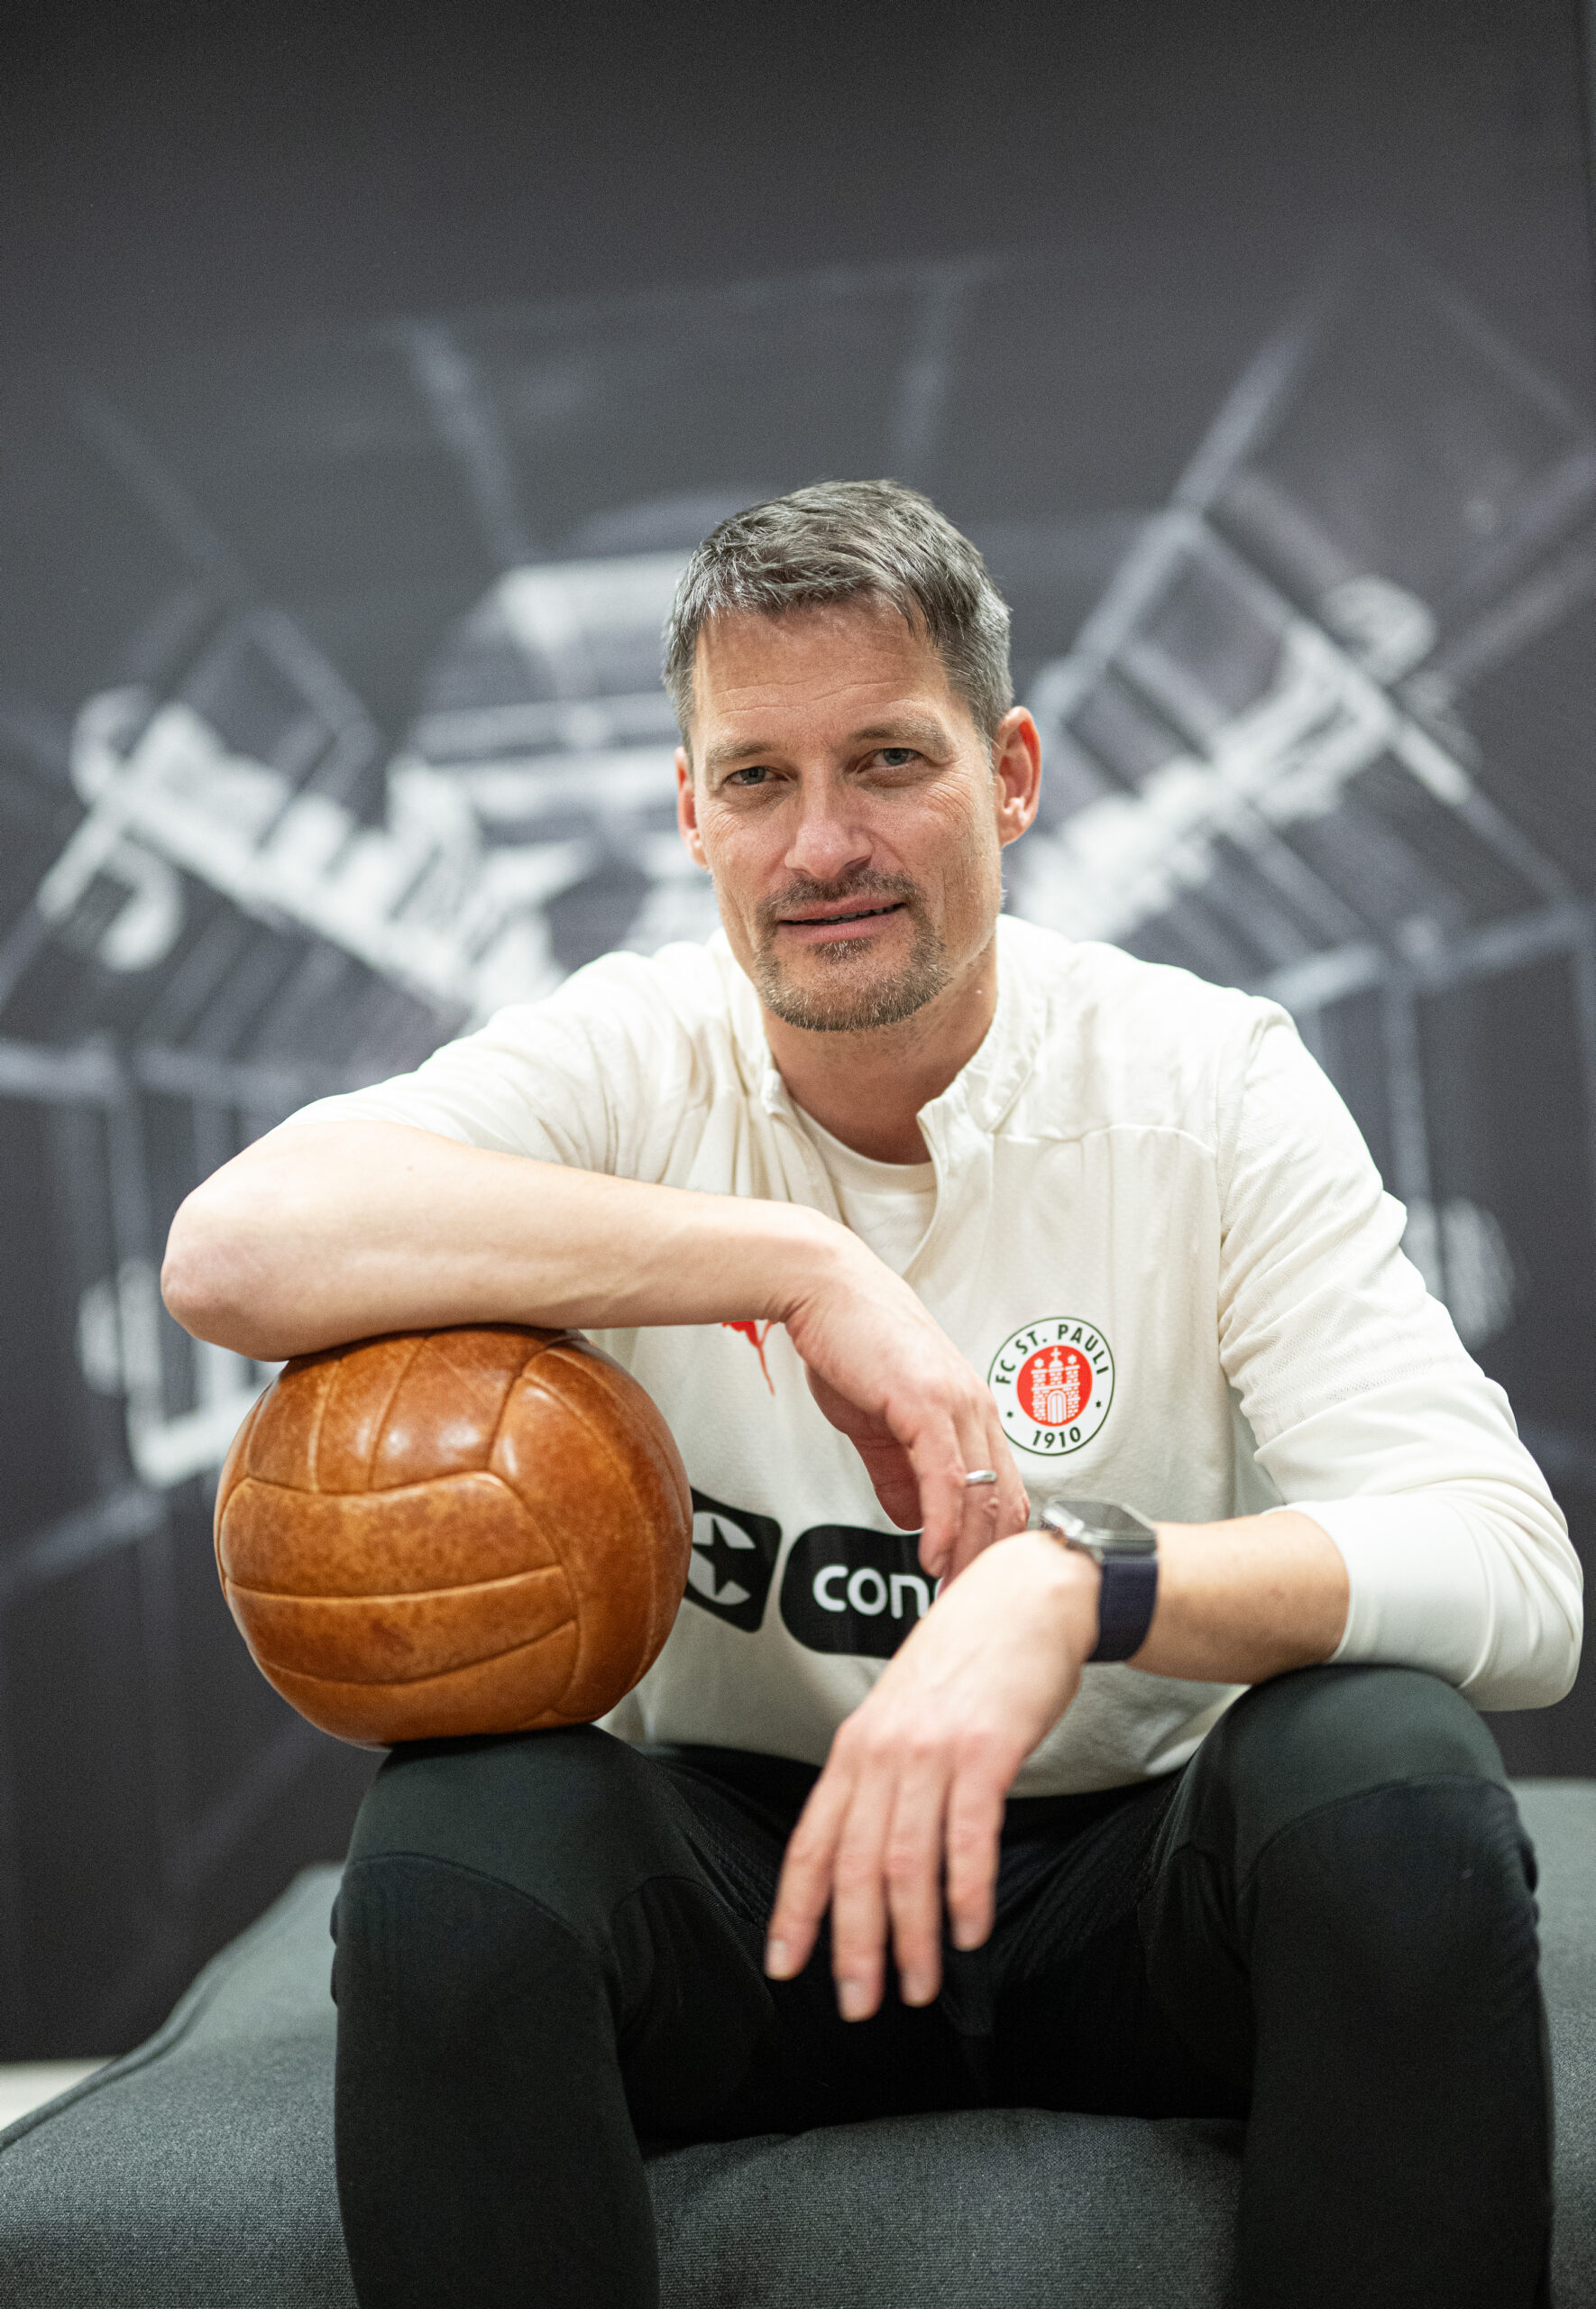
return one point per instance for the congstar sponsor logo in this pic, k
(848, 1589)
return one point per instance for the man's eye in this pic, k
(754, 775)
(896, 757)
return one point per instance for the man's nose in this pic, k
(826, 841)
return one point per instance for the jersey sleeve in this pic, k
(592, 1077)
(1367, 1411)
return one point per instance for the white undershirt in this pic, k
(887, 1205)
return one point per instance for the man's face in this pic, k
(851, 811)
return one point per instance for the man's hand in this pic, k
(916, 1781)
(886, 1373)
(918, 1774)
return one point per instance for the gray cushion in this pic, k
(197, 2172)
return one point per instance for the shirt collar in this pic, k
(986, 1086)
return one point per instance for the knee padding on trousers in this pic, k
(1316, 1737)
(1366, 1809)
(572, 1818)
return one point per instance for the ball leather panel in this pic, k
(400, 1639)
(559, 1450)
(355, 1392)
(503, 1695)
(446, 1408)
(283, 1441)
(464, 1529)
(234, 1465)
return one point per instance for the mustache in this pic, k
(867, 884)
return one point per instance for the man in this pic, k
(898, 1208)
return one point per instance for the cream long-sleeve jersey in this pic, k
(1157, 1235)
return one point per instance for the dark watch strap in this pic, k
(1124, 1604)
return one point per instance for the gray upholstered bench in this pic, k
(197, 2173)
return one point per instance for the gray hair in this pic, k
(843, 541)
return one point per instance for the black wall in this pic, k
(362, 378)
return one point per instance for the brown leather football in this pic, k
(451, 1531)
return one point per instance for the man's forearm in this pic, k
(334, 1231)
(1242, 1601)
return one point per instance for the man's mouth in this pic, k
(815, 920)
(837, 924)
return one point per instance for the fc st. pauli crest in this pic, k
(1052, 1382)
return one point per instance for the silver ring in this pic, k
(980, 1474)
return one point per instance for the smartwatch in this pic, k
(1123, 1546)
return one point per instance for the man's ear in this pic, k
(1016, 770)
(687, 810)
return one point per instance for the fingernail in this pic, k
(967, 1937)
(778, 1959)
(853, 1999)
(918, 1988)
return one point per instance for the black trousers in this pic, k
(549, 1945)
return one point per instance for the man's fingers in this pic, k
(901, 1471)
(975, 1823)
(913, 1865)
(894, 1481)
(995, 1511)
(981, 1522)
(919, 1445)
(859, 1898)
(804, 1888)
(983, 1511)
(939, 1467)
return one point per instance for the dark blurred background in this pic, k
(366, 376)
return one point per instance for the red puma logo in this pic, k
(755, 1334)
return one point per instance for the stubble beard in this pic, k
(851, 998)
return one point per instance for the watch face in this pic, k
(1113, 1529)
